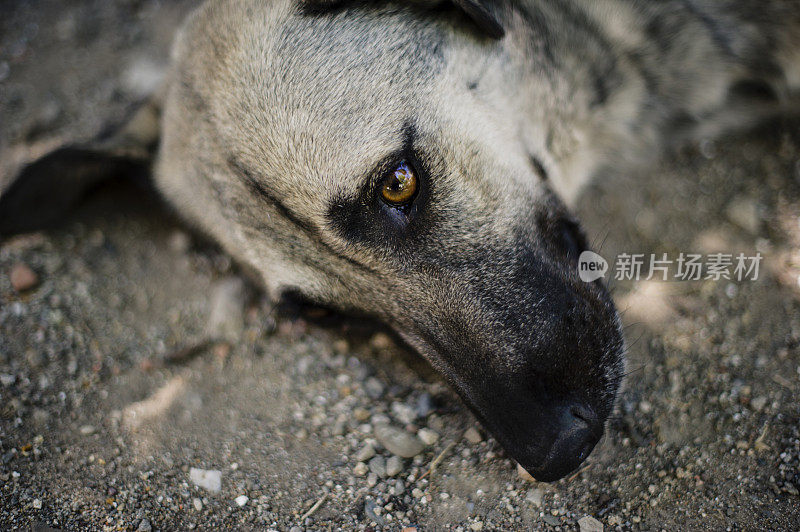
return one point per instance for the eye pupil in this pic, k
(400, 186)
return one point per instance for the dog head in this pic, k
(373, 157)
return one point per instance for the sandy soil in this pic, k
(109, 396)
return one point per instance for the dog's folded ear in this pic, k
(46, 189)
(480, 12)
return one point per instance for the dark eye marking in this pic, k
(254, 185)
(261, 191)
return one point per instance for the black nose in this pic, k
(577, 432)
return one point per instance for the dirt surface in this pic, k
(110, 394)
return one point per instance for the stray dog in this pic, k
(413, 161)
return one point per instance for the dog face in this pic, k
(375, 159)
(368, 159)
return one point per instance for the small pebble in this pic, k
(473, 436)
(381, 341)
(22, 277)
(374, 388)
(378, 466)
(87, 430)
(366, 453)
(428, 436)
(144, 526)
(37, 503)
(759, 403)
(424, 405)
(360, 469)
(551, 520)
(209, 479)
(241, 500)
(524, 475)
(398, 441)
(404, 413)
(590, 524)
(198, 504)
(535, 497)
(372, 509)
(394, 465)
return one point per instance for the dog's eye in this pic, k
(400, 186)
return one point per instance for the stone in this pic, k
(374, 388)
(394, 465)
(428, 436)
(378, 466)
(524, 475)
(381, 341)
(404, 413)
(588, 523)
(366, 453)
(241, 500)
(473, 436)
(535, 497)
(360, 469)
(759, 403)
(22, 277)
(424, 405)
(208, 479)
(398, 442)
(551, 520)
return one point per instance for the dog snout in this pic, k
(577, 430)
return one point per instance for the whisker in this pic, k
(631, 372)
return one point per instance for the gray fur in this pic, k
(279, 117)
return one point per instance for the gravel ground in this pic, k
(117, 412)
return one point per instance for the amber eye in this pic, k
(400, 186)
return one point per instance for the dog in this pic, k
(415, 161)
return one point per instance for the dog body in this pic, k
(283, 119)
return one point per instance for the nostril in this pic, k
(588, 417)
(584, 414)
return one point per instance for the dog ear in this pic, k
(46, 189)
(479, 11)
